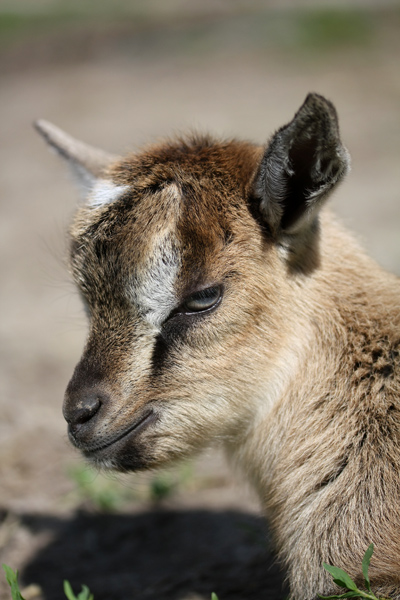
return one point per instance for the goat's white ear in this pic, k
(303, 162)
(86, 162)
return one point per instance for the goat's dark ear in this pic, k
(302, 164)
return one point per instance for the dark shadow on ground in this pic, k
(157, 555)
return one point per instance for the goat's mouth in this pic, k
(107, 443)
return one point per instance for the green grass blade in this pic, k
(350, 594)
(68, 591)
(214, 596)
(340, 577)
(365, 566)
(10, 575)
(12, 580)
(84, 594)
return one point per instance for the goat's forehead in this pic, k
(154, 247)
(159, 225)
(189, 184)
(194, 212)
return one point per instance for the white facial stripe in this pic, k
(154, 288)
(171, 191)
(105, 192)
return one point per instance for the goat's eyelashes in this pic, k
(202, 300)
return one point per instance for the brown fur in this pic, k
(296, 368)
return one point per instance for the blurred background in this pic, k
(118, 74)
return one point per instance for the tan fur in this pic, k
(296, 369)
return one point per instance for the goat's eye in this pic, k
(202, 300)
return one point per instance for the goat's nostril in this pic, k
(89, 408)
(83, 404)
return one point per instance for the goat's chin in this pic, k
(122, 456)
(136, 452)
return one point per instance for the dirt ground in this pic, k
(119, 86)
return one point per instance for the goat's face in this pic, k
(182, 255)
(170, 274)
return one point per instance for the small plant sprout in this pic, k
(214, 596)
(12, 580)
(84, 594)
(344, 580)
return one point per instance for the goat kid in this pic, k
(225, 303)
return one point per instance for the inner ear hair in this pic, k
(302, 164)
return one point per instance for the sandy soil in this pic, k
(123, 92)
